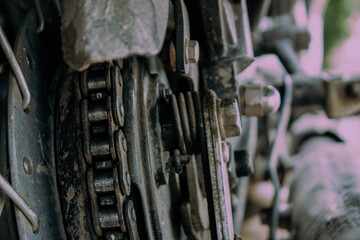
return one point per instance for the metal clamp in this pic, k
(20, 203)
(16, 69)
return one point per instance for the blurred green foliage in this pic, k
(335, 27)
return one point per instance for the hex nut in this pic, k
(229, 118)
(192, 51)
(258, 100)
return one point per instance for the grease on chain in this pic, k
(104, 147)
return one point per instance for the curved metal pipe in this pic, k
(275, 152)
(20, 203)
(16, 69)
(41, 26)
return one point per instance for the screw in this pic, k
(192, 51)
(229, 118)
(164, 93)
(27, 165)
(258, 100)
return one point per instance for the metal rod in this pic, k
(2, 202)
(275, 152)
(16, 69)
(57, 4)
(20, 203)
(40, 16)
(248, 141)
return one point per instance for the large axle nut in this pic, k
(259, 100)
(229, 118)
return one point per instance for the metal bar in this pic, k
(20, 203)
(58, 6)
(248, 141)
(40, 16)
(287, 55)
(2, 202)
(16, 69)
(275, 152)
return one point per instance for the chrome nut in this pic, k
(229, 118)
(259, 100)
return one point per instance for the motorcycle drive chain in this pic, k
(105, 152)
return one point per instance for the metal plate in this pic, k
(94, 31)
(30, 135)
(157, 215)
(216, 173)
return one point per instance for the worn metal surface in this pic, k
(153, 204)
(130, 218)
(30, 134)
(70, 163)
(182, 36)
(226, 43)
(228, 115)
(197, 196)
(226, 30)
(104, 146)
(216, 174)
(220, 78)
(94, 31)
(103, 140)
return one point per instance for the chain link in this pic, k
(105, 152)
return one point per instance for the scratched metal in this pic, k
(30, 134)
(94, 31)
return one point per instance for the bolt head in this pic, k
(258, 100)
(164, 93)
(229, 118)
(27, 165)
(192, 51)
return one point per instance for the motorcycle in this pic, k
(154, 119)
